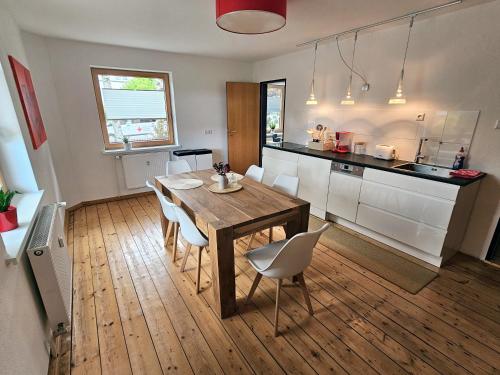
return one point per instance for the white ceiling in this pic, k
(188, 26)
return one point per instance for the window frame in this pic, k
(282, 112)
(96, 71)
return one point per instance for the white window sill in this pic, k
(15, 240)
(141, 150)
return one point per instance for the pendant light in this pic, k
(399, 98)
(348, 100)
(311, 100)
(251, 16)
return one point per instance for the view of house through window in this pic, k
(133, 106)
(275, 108)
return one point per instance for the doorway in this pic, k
(272, 111)
(243, 125)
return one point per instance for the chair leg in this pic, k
(303, 286)
(169, 232)
(270, 234)
(186, 255)
(276, 312)
(176, 237)
(250, 241)
(255, 284)
(198, 270)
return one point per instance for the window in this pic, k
(273, 111)
(134, 105)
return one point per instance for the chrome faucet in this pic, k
(419, 156)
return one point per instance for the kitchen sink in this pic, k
(430, 170)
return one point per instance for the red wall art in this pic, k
(30, 104)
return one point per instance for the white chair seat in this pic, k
(283, 259)
(263, 257)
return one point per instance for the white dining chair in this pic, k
(255, 173)
(168, 209)
(284, 259)
(194, 238)
(177, 167)
(286, 184)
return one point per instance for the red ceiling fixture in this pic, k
(251, 16)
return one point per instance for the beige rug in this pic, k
(398, 270)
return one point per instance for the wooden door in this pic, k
(243, 101)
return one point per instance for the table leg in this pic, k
(163, 219)
(300, 222)
(223, 276)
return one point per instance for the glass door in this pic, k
(273, 111)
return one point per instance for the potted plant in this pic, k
(221, 170)
(8, 213)
(126, 143)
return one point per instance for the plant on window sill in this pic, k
(8, 213)
(127, 146)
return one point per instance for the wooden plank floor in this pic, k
(135, 313)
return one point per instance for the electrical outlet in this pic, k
(497, 124)
(421, 117)
(209, 131)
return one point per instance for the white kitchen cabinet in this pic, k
(421, 236)
(415, 206)
(411, 183)
(421, 217)
(343, 195)
(276, 162)
(314, 175)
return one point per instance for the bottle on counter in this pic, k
(459, 159)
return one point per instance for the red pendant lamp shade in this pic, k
(251, 16)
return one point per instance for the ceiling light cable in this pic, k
(312, 98)
(347, 65)
(399, 98)
(407, 44)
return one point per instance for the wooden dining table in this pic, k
(223, 218)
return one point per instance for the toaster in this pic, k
(386, 152)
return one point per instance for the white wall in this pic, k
(23, 322)
(453, 64)
(85, 173)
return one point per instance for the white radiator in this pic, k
(138, 168)
(51, 265)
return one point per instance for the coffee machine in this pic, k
(343, 142)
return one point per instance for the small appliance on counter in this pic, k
(342, 143)
(385, 152)
(321, 139)
(360, 148)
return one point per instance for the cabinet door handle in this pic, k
(231, 132)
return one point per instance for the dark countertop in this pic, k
(368, 161)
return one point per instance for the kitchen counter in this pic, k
(368, 162)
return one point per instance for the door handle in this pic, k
(231, 132)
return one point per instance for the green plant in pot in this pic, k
(126, 143)
(8, 213)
